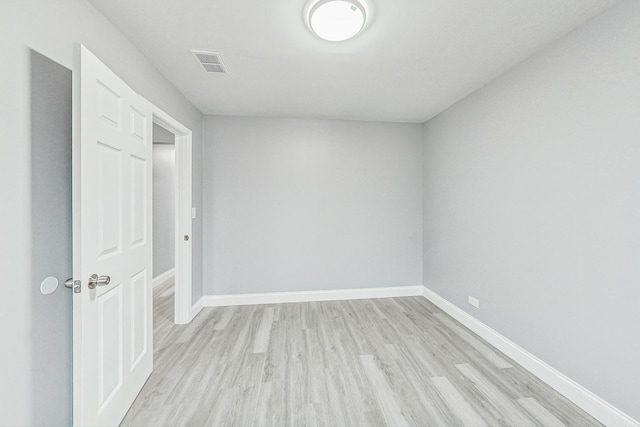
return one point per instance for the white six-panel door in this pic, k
(113, 354)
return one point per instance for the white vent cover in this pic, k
(210, 61)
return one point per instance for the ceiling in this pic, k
(414, 59)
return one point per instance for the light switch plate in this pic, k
(193, 213)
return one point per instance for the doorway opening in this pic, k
(164, 229)
(173, 148)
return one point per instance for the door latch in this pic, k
(76, 285)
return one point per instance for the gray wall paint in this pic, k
(164, 178)
(162, 136)
(532, 205)
(51, 238)
(299, 205)
(51, 28)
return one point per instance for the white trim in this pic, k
(589, 402)
(197, 307)
(163, 277)
(183, 227)
(307, 296)
(183, 201)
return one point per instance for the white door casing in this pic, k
(112, 324)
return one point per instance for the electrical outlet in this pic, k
(474, 302)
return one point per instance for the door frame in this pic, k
(183, 213)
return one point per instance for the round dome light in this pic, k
(337, 20)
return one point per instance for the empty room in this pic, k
(320, 213)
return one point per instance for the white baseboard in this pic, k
(589, 402)
(197, 308)
(307, 296)
(164, 277)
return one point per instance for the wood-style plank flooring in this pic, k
(378, 362)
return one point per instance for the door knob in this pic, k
(96, 280)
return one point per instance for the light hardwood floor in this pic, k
(379, 362)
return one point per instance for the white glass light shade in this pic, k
(337, 20)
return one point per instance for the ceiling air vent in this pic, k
(210, 61)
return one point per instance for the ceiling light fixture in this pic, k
(337, 20)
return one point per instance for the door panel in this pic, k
(113, 348)
(109, 344)
(139, 304)
(109, 200)
(109, 105)
(138, 205)
(139, 124)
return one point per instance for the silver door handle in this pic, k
(96, 280)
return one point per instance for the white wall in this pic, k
(532, 205)
(50, 28)
(299, 205)
(164, 223)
